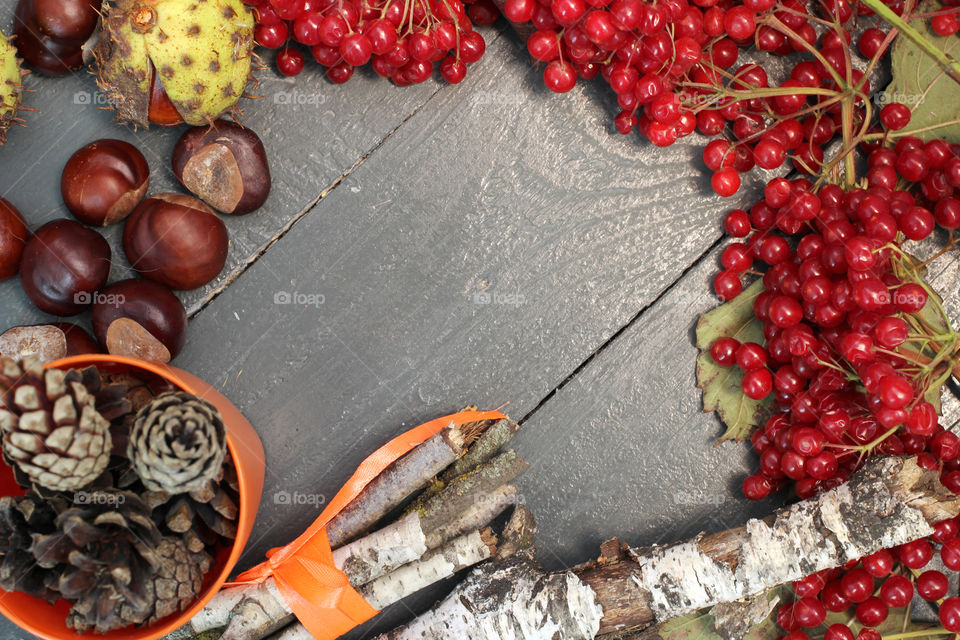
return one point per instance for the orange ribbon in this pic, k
(318, 593)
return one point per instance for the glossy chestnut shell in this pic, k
(141, 319)
(104, 181)
(64, 264)
(176, 240)
(51, 33)
(13, 238)
(225, 165)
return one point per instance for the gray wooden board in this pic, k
(481, 253)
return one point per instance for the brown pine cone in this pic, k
(177, 444)
(20, 519)
(199, 517)
(52, 431)
(179, 577)
(105, 548)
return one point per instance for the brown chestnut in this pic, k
(64, 264)
(51, 33)
(13, 238)
(225, 165)
(140, 319)
(176, 240)
(104, 181)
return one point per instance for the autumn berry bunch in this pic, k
(676, 68)
(403, 40)
(841, 340)
(870, 596)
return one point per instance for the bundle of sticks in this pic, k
(423, 519)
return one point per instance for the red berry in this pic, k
(809, 612)
(290, 62)
(727, 285)
(838, 631)
(560, 76)
(751, 355)
(950, 554)
(725, 182)
(932, 585)
(453, 70)
(857, 585)
(950, 614)
(916, 554)
(872, 612)
(723, 351)
(757, 487)
(737, 223)
(896, 591)
(879, 564)
(757, 384)
(895, 116)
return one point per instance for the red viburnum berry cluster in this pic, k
(401, 39)
(673, 66)
(864, 591)
(844, 320)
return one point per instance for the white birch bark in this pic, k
(458, 554)
(513, 600)
(845, 523)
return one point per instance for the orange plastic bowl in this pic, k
(49, 621)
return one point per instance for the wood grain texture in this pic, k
(448, 270)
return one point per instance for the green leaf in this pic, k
(914, 71)
(721, 385)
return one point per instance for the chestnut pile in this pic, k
(174, 241)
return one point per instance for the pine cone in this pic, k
(20, 519)
(106, 550)
(179, 577)
(199, 517)
(177, 444)
(52, 431)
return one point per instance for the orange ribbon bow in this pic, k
(318, 593)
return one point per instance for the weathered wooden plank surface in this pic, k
(479, 257)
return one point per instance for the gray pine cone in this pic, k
(177, 444)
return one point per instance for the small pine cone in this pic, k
(179, 577)
(177, 444)
(20, 519)
(52, 431)
(105, 549)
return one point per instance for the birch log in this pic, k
(889, 502)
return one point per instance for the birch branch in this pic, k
(462, 494)
(403, 478)
(487, 445)
(889, 502)
(484, 511)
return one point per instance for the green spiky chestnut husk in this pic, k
(200, 51)
(11, 87)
